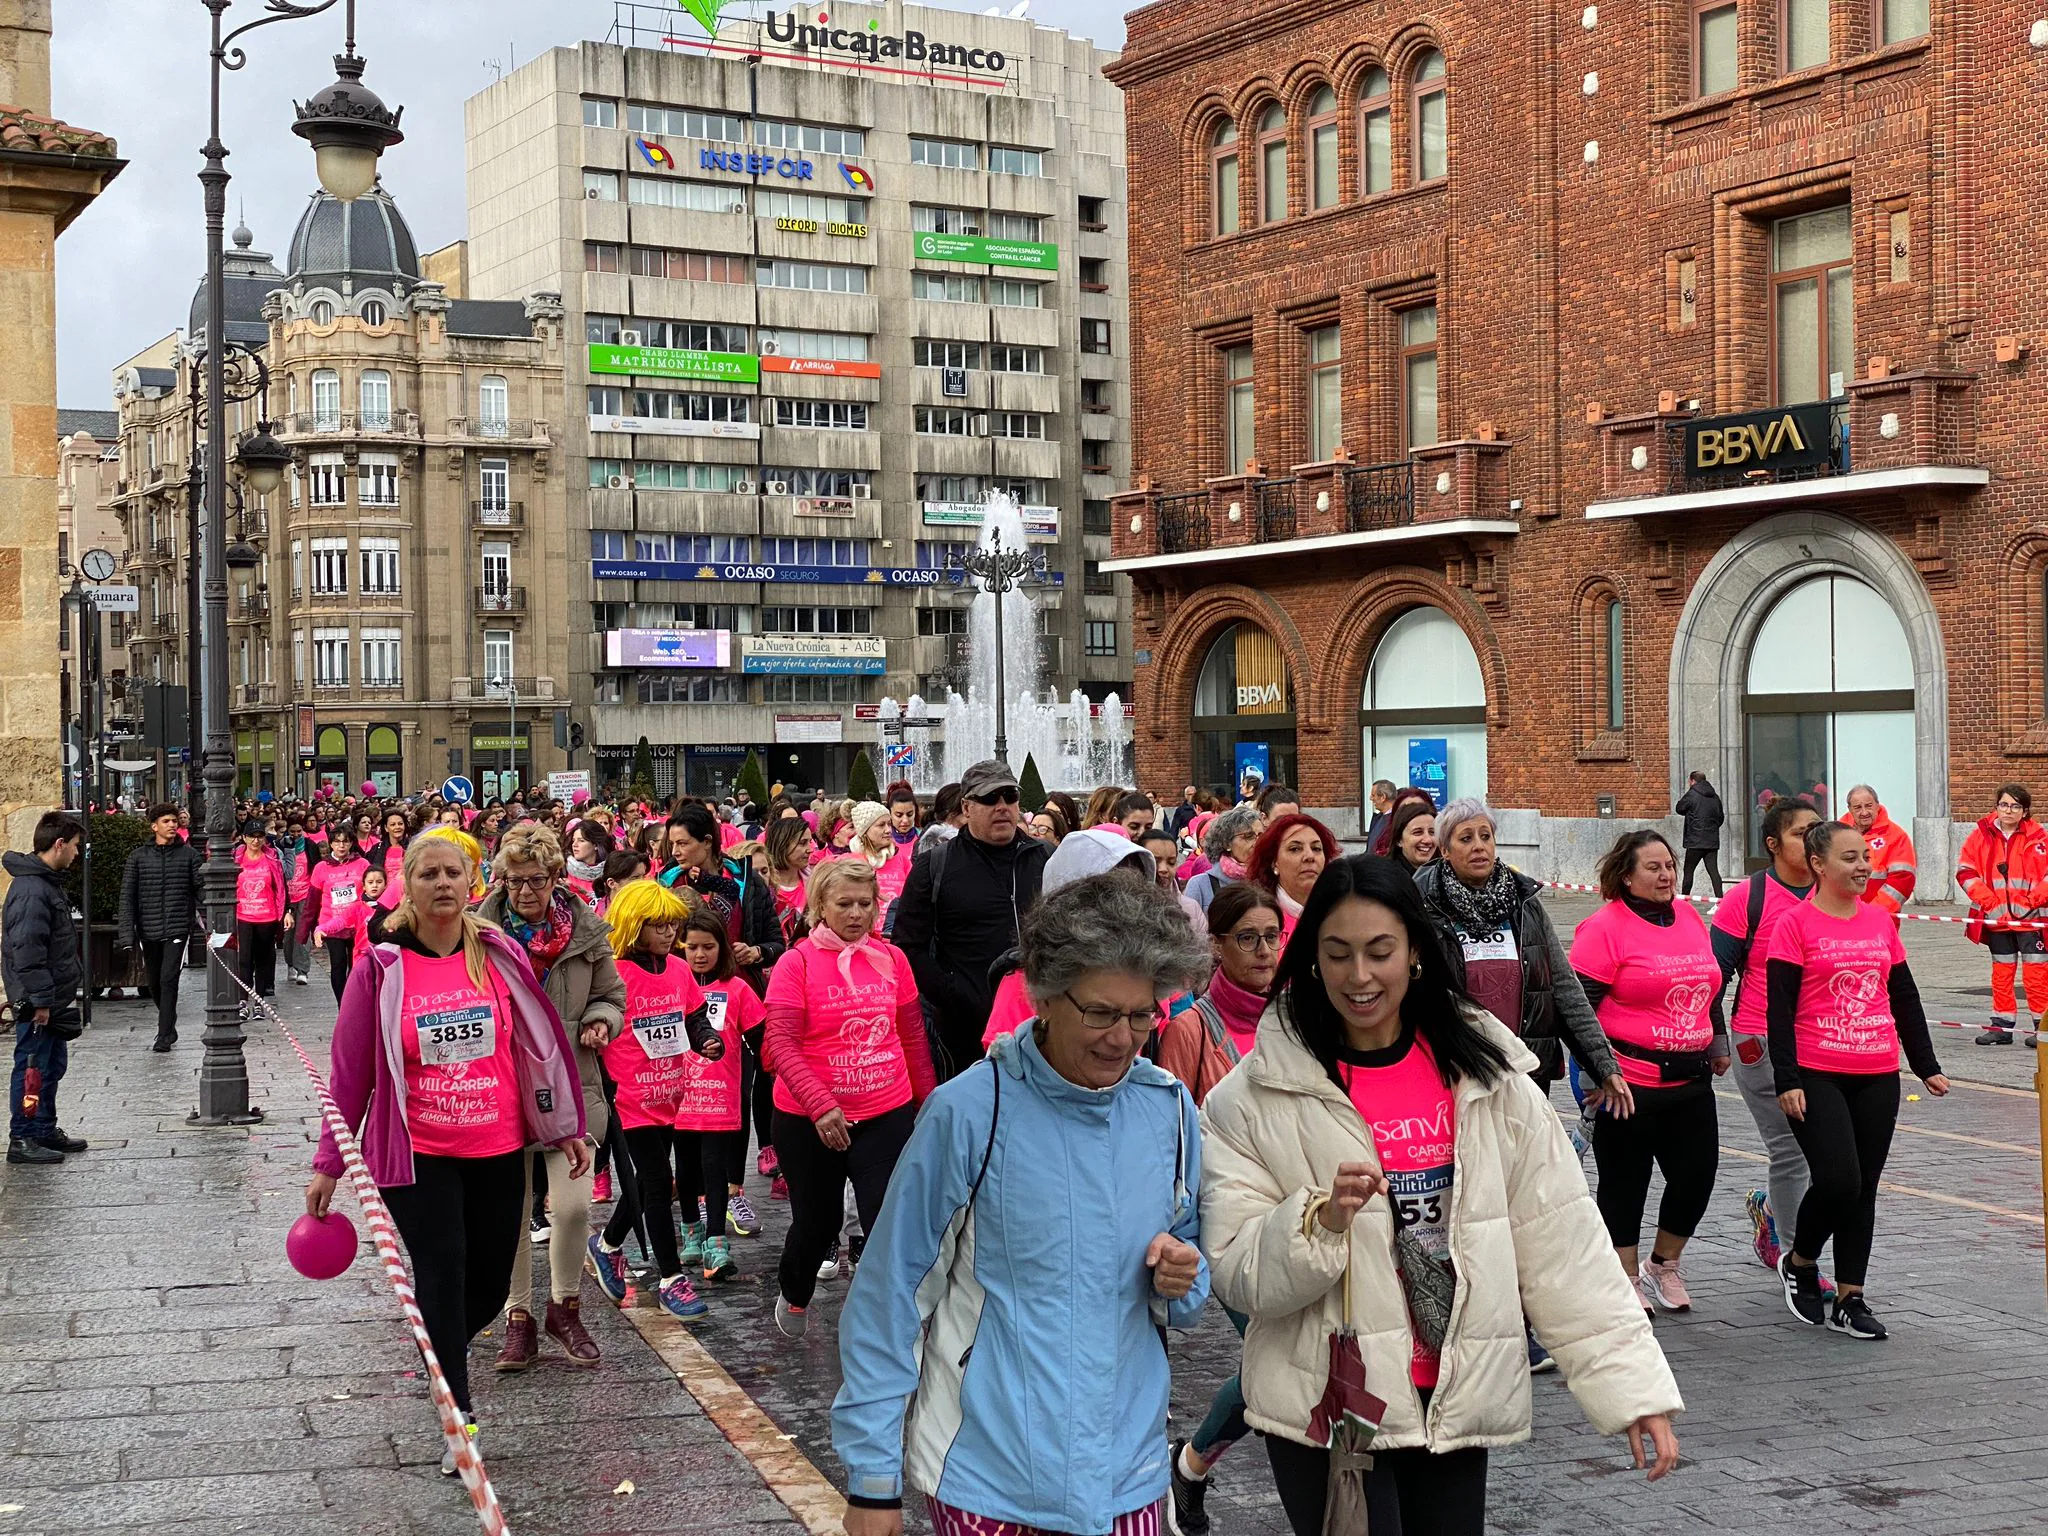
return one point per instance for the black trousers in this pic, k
(703, 1159)
(256, 943)
(461, 1221)
(341, 959)
(1676, 1130)
(1846, 1136)
(817, 1188)
(1413, 1492)
(1694, 858)
(757, 1098)
(648, 1150)
(164, 961)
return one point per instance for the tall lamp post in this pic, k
(998, 570)
(349, 128)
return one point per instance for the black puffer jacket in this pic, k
(159, 892)
(983, 892)
(1701, 807)
(39, 950)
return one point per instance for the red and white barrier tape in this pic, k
(382, 1233)
(1990, 926)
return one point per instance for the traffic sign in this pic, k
(900, 757)
(458, 789)
(111, 599)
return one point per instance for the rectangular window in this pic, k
(847, 553)
(607, 544)
(815, 690)
(675, 688)
(811, 276)
(1617, 689)
(838, 346)
(945, 354)
(1813, 305)
(942, 621)
(377, 480)
(1901, 19)
(670, 192)
(948, 153)
(494, 565)
(1016, 293)
(1019, 424)
(380, 659)
(330, 566)
(1418, 376)
(1325, 392)
(770, 203)
(826, 415)
(330, 658)
(493, 405)
(932, 219)
(1095, 517)
(941, 554)
(688, 334)
(600, 114)
(494, 485)
(946, 287)
(1095, 336)
(326, 400)
(941, 421)
(668, 475)
(380, 566)
(598, 256)
(328, 473)
(1237, 409)
(374, 398)
(1803, 33)
(1005, 161)
(1378, 169)
(1003, 358)
(686, 123)
(497, 655)
(817, 621)
(1713, 48)
(298, 658)
(809, 136)
(1098, 637)
(1014, 226)
(601, 186)
(685, 548)
(298, 568)
(841, 483)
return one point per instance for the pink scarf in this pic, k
(1240, 1007)
(878, 957)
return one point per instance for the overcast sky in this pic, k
(136, 69)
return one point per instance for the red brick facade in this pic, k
(1600, 255)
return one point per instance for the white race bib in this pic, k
(458, 1034)
(714, 1007)
(661, 1035)
(339, 896)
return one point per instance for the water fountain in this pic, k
(1074, 747)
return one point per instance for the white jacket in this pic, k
(1524, 1234)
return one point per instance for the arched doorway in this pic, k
(385, 763)
(1243, 712)
(1828, 699)
(330, 758)
(1423, 717)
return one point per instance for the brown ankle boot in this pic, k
(522, 1346)
(565, 1327)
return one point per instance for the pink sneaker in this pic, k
(768, 1165)
(778, 1188)
(601, 1187)
(1664, 1284)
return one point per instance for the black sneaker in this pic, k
(1851, 1315)
(1803, 1296)
(58, 1141)
(19, 1151)
(1997, 1034)
(538, 1231)
(1184, 1513)
(165, 1042)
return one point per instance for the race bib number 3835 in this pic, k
(458, 1034)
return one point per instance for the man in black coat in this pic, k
(963, 909)
(40, 966)
(1703, 814)
(160, 891)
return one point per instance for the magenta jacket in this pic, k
(367, 1077)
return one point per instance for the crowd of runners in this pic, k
(1041, 1081)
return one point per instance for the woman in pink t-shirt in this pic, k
(1648, 969)
(846, 1041)
(1842, 1002)
(336, 888)
(261, 904)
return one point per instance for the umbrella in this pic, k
(1345, 1421)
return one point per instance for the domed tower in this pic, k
(249, 275)
(350, 255)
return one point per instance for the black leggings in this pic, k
(648, 1148)
(256, 943)
(1414, 1491)
(702, 1158)
(461, 1221)
(1846, 1136)
(817, 1188)
(1694, 858)
(1676, 1129)
(341, 958)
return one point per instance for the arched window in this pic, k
(1432, 122)
(1375, 132)
(1424, 712)
(330, 756)
(384, 759)
(1323, 188)
(1243, 716)
(326, 400)
(322, 312)
(494, 406)
(1223, 178)
(1273, 164)
(1616, 675)
(374, 312)
(374, 397)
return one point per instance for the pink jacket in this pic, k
(274, 865)
(367, 1075)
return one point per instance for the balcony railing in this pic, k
(1272, 510)
(375, 423)
(501, 599)
(1183, 523)
(1835, 463)
(1378, 496)
(255, 606)
(492, 690)
(497, 514)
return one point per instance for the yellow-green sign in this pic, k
(980, 248)
(675, 363)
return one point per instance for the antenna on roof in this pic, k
(1020, 8)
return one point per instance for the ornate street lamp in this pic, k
(348, 128)
(997, 570)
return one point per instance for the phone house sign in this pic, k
(871, 44)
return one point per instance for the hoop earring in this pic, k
(1415, 970)
(1315, 970)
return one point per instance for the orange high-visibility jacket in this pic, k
(2005, 878)
(1894, 867)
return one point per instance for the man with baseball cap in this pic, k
(962, 910)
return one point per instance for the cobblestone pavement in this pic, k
(168, 1373)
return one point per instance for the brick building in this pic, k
(1564, 401)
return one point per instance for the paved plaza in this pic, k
(167, 1373)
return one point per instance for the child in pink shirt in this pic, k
(710, 1117)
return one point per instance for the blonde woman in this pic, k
(487, 1069)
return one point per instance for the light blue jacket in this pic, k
(1023, 1322)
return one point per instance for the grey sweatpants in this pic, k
(1788, 1176)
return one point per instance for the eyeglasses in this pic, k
(1251, 942)
(1100, 1016)
(2010, 805)
(997, 797)
(529, 882)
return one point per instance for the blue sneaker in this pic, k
(740, 1219)
(679, 1298)
(1539, 1357)
(610, 1269)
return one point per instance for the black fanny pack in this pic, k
(1672, 1066)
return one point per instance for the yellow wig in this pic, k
(471, 850)
(636, 904)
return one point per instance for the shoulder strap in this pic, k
(995, 1115)
(1756, 914)
(1212, 1024)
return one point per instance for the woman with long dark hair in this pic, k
(1382, 1122)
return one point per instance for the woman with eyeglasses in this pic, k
(2004, 872)
(1033, 1374)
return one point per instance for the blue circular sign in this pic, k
(458, 789)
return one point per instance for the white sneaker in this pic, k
(829, 1270)
(298, 978)
(448, 1467)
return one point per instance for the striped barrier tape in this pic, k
(1911, 917)
(467, 1461)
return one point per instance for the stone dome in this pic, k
(248, 275)
(349, 246)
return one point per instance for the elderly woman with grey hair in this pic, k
(1227, 842)
(1061, 1424)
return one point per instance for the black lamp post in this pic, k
(348, 128)
(998, 570)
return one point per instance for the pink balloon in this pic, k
(321, 1247)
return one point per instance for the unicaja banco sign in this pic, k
(870, 44)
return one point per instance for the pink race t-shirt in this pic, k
(394, 877)
(1844, 1022)
(258, 887)
(340, 887)
(461, 1084)
(711, 1089)
(1414, 1121)
(1732, 916)
(1661, 982)
(647, 1059)
(849, 1029)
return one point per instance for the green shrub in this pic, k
(1030, 786)
(860, 782)
(114, 838)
